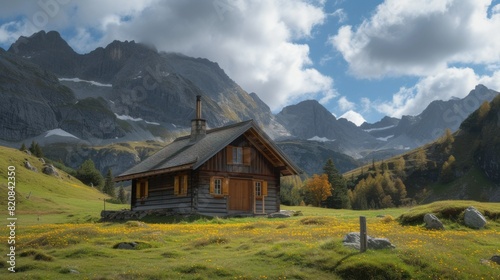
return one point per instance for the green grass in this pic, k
(57, 238)
(44, 199)
(302, 247)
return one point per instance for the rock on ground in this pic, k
(49, 169)
(285, 214)
(353, 240)
(29, 166)
(495, 259)
(432, 222)
(473, 218)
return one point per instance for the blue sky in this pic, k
(359, 58)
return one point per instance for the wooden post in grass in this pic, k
(362, 234)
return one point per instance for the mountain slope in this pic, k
(40, 197)
(310, 120)
(35, 102)
(158, 87)
(414, 131)
(463, 165)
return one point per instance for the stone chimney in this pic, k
(198, 125)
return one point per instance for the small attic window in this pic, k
(238, 155)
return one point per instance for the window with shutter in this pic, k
(238, 155)
(260, 189)
(141, 190)
(180, 185)
(247, 155)
(218, 186)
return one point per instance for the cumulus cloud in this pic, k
(345, 104)
(420, 37)
(453, 82)
(255, 42)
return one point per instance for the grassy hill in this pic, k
(41, 198)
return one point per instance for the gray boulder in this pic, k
(285, 214)
(353, 240)
(279, 215)
(432, 222)
(126, 246)
(495, 259)
(473, 218)
(49, 169)
(29, 166)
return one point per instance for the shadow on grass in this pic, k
(339, 262)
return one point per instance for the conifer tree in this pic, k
(89, 175)
(122, 196)
(23, 147)
(109, 185)
(339, 198)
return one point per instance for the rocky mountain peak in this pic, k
(41, 48)
(41, 42)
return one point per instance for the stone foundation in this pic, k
(125, 215)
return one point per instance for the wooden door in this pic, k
(240, 194)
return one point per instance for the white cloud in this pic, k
(353, 117)
(365, 105)
(345, 104)
(420, 37)
(340, 14)
(452, 82)
(255, 42)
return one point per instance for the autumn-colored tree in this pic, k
(318, 188)
(420, 159)
(400, 186)
(447, 170)
(399, 167)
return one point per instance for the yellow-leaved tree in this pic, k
(318, 188)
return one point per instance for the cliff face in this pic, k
(34, 102)
(31, 98)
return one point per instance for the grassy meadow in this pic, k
(58, 237)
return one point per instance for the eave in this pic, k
(154, 172)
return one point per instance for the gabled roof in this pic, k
(183, 154)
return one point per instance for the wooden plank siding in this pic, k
(161, 195)
(259, 165)
(254, 166)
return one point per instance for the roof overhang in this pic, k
(272, 152)
(153, 172)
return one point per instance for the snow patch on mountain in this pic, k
(59, 132)
(320, 139)
(385, 138)
(379, 128)
(77, 80)
(127, 118)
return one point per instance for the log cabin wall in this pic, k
(161, 194)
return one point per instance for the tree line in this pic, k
(375, 189)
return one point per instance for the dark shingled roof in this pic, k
(183, 154)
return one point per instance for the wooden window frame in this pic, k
(224, 186)
(180, 185)
(260, 188)
(139, 189)
(238, 155)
